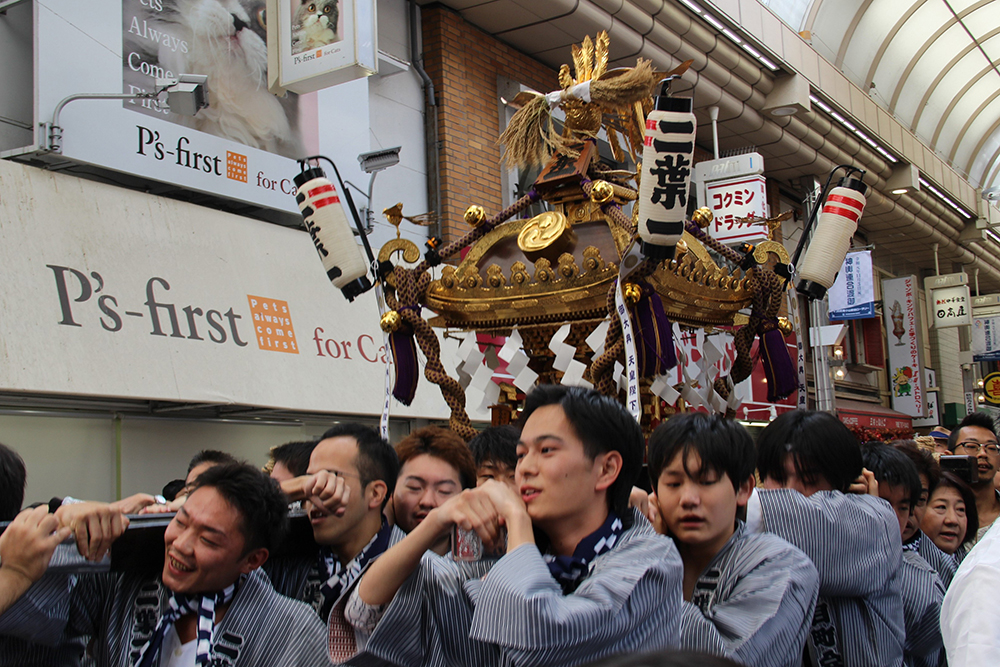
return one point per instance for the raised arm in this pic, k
(630, 602)
(26, 547)
(852, 539)
(470, 510)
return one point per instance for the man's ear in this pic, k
(375, 493)
(609, 467)
(254, 559)
(746, 488)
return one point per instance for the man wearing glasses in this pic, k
(976, 436)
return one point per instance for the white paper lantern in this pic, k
(666, 175)
(835, 227)
(331, 233)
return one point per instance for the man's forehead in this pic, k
(978, 433)
(429, 468)
(341, 450)
(207, 508)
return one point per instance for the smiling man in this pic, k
(210, 605)
(747, 596)
(583, 575)
(976, 436)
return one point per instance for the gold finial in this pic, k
(602, 192)
(632, 293)
(785, 326)
(475, 215)
(394, 214)
(390, 321)
(702, 217)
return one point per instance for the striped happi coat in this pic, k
(260, 628)
(512, 612)
(923, 594)
(754, 602)
(854, 542)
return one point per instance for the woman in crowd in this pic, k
(950, 519)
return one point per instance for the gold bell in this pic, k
(702, 217)
(390, 321)
(602, 192)
(632, 293)
(785, 326)
(475, 215)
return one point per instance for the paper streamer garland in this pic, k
(666, 175)
(324, 218)
(837, 223)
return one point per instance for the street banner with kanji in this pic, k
(733, 199)
(852, 296)
(950, 307)
(986, 338)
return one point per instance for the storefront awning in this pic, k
(858, 414)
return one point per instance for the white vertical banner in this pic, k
(902, 323)
(852, 296)
(986, 338)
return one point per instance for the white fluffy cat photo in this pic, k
(226, 40)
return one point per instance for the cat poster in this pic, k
(315, 24)
(320, 43)
(227, 41)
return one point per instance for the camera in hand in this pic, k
(963, 466)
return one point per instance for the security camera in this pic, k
(991, 194)
(186, 94)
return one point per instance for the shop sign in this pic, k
(873, 420)
(991, 388)
(902, 326)
(243, 148)
(733, 200)
(933, 400)
(949, 307)
(986, 338)
(314, 45)
(156, 299)
(852, 296)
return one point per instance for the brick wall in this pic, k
(464, 63)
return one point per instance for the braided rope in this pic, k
(727, 252)
(410, 287)
(483, 229)
(612, 210)
(601, 368)
(766, 288)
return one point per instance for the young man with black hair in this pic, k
(807, 461)
(914, 539)
(210, 605)
(350, 476)
(976, 436)
(495, 453)
(583, 576)
(920, 586)
(747, 596)
(289, 460)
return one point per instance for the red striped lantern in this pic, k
(331, 234)
(837, 223)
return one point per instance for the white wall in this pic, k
(75, 456)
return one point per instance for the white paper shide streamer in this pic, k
(324, 218)
(838, 220)
(666, 175)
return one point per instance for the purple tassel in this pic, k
(404, 356)
(654, 335)
(778, 368)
